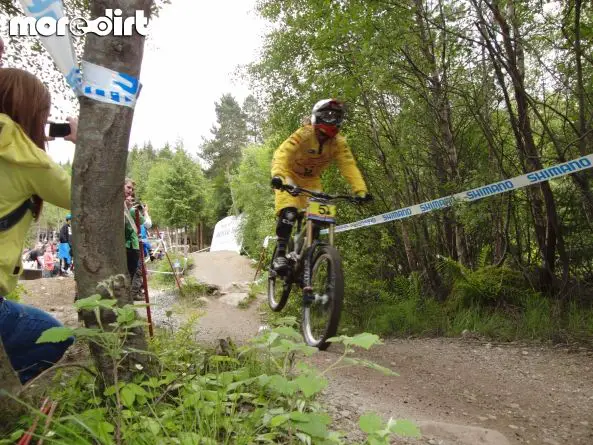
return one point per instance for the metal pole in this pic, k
(171, 264)
(261, 260)
(144, 279)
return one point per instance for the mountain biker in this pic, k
(302, 158)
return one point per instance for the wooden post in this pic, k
(201, 236)
(144, 277)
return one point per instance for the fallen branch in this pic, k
(53, 368)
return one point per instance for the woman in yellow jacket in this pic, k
(28, 176)
(302, 158)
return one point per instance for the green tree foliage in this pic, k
(223, 151)
(176, 191)
(433, 109)
(229, 136)
(443, 96)
(252, 194)
(254, 119)
(140, 161)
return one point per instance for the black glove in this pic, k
(365, 197)
(277, 182)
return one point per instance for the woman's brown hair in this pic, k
(26, 101)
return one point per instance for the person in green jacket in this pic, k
(132, 237)
(28, 177)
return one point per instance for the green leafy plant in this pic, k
(261, 392)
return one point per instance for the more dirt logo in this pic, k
(48, 24)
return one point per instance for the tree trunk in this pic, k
(440, 106)
(585, 133)
(542, 203)
(409, 249)
(585, 136)
(98, 177)
(388, 169)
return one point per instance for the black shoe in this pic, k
(281, 265)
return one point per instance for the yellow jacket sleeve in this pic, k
(26, 170)
(51, 184)
(284, 155)
(347, 165)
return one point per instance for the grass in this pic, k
(254, 290)
(535, 318)
(160, 279)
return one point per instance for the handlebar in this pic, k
(296, 190)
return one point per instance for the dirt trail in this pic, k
(459, 391)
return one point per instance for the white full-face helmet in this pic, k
(327, 116)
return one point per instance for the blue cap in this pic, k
(68, 216)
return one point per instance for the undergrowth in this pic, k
(262, 392)
(494, 302)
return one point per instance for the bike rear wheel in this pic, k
(322, 317)
(278, 288)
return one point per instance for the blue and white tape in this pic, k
(94, 81)
(109, 86)
(60, 47)
(495, 188)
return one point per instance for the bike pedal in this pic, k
(308, 297)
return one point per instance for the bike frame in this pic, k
(306, 231)
(303, 256)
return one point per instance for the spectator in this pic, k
(144, 231)
(48, 264)
(65, 249)
(28, 176)
(36, 255)
(131, 234)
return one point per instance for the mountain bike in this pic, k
(315, 266)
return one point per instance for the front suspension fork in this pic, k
(308, 296)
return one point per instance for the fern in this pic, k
(451, 270)
(489, 286)
(485, 254)
(408, 288)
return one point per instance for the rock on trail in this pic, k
(219, 315)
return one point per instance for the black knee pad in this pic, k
(286, 220)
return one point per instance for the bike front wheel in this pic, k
(321, 317)
(278, 288)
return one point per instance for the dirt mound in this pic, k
(222, 268)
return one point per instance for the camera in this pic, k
(59, 130)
